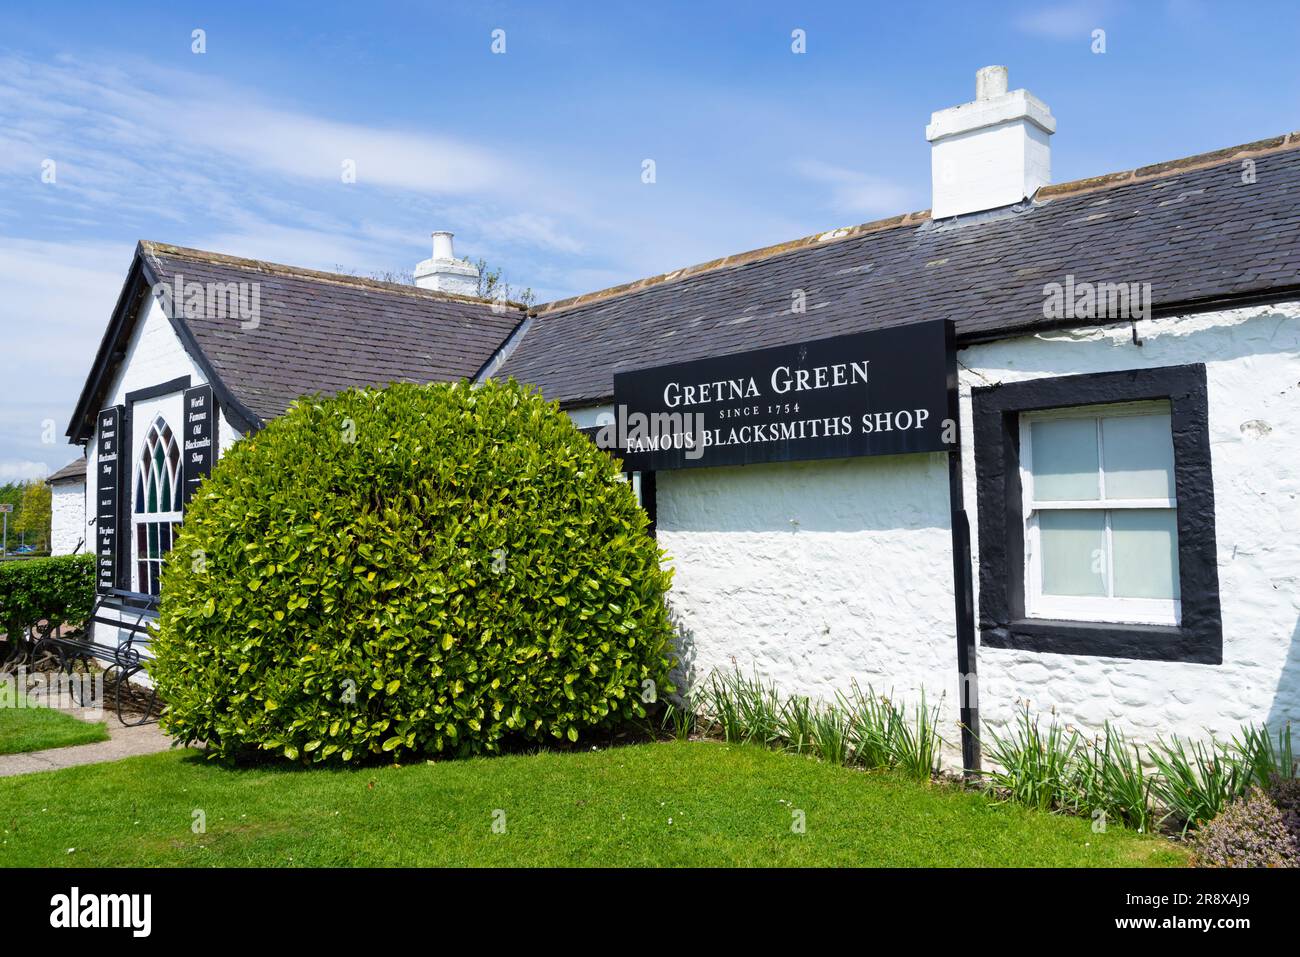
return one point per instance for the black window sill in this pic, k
(1104, 640)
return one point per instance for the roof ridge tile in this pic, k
(154, 249)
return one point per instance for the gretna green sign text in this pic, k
(873, 393)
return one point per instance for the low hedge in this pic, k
(415, 570)
(54, 590)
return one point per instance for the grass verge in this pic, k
(35, 729)
(664, 804)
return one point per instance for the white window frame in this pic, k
(1150, 611)
(172, 518)
(635, 479)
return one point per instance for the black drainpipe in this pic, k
(963, 585)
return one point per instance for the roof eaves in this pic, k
(73, 471)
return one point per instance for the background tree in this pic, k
(11, 493)
(492, 282)
(33, 522)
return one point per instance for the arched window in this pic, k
(157, 513)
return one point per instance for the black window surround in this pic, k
(124, 536)
(1199, 637)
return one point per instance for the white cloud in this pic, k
(58, 298)
(113, 113)
(856, 193)
(1066, 21)
(306, 147)
(144, 152)
(22, 471)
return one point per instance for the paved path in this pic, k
(123, 742)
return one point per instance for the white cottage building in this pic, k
(1097, 514)
(69, 533)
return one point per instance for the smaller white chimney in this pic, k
(992, 152)
(444, 272)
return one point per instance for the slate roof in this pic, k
(323, 332)
(1192, 228)
(74, 471)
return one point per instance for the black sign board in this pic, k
(200, 437)
(108, 490)
(871, 393)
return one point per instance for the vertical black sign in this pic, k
(200, 431)
(108, 489)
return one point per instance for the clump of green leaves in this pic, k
(1196, 780)
(744, 710)
(1112, 781)
(860, 730)
(1032, 766)
(416, 570)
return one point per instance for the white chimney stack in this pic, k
(992, 152)
(444, 272)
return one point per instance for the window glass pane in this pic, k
(1138, 451)
(1064, 454)
(1146, 552)
(1073, 548)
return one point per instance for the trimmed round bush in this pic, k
(416, 570)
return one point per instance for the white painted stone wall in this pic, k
(1252, 359)
(819, 574)
(815, 574)
(68, 519)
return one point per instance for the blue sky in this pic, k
(533, 157)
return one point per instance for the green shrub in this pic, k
(414, 570)
(54, 590)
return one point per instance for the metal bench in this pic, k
(75, 654)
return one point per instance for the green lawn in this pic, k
(651, 804)
(34, 729)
